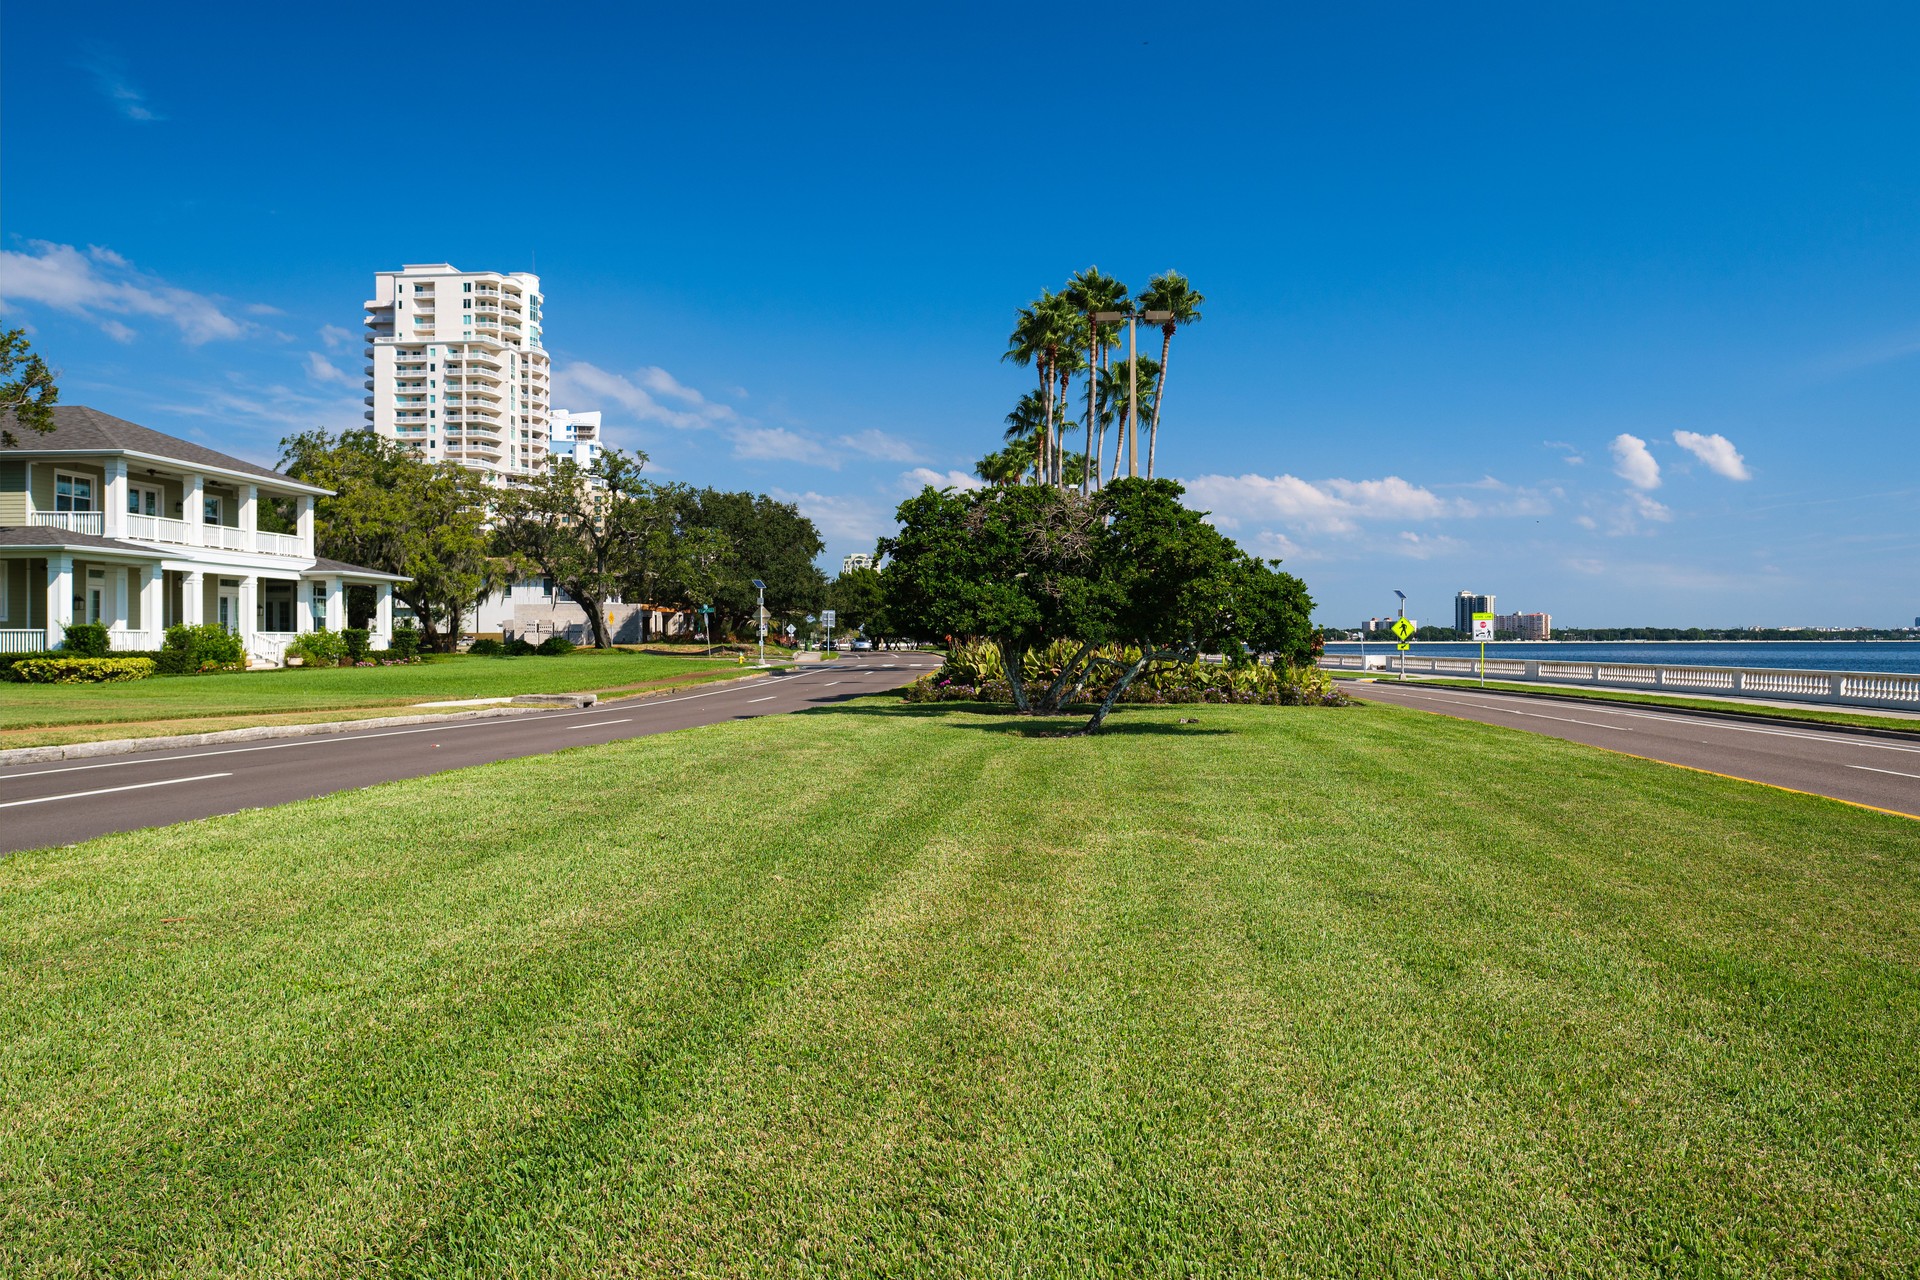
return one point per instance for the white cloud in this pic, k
(1426, 546)
(100, 284)
(1572, 456)
(1329, 506)
(777, 444)
(1632, 462)
(581, 384)
(335, 337)
(878, 444)
(111, 81)
(323, 371)
(920, 477)
(840, 518)
(1717, 452)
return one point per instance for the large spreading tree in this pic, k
(395, 512)
(1128, 577)
(765, 539)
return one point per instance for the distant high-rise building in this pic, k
(456, 367)
(575, 435)
(1465, 605)
(858, 560)
(1528, 626)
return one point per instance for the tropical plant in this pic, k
(1090, 292)
(1170, 292)
(1115, 390)
(319, 648)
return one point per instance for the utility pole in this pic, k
(1132, 426)
(761, 587)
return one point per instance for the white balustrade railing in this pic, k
(23, 641)
(159, 529)
(1845, 688)
(226, 537)
(93, 522)
(277, 544)
(122, 641)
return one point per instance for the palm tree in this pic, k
(1008, 465)
(1092, 291)
(1031, 342)
(1027, 430)
(1114, 388)
(1168, 292)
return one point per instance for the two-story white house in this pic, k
(103, 520)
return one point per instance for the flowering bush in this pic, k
(974, 673)
(60, 670)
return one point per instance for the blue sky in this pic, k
(1613, 312)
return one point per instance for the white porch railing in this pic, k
(134, 641)
(159, 529)
(1840, 688)
(226, 537)
(22, 641)
(276, 544)
(72, 521)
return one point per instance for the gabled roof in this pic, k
(323, 565)
(78, 429)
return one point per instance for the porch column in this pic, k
(383, 613)
(59, 598)
(303, 522)
(113, 520)
(116, 597)
(153, 613)
(302, 606)
(193, 510)
(193, 599)
(336, 604)
(249, 508)
(249, 621)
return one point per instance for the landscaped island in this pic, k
(903, 989)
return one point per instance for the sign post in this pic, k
(827, 617)
(706, 631)
(1403, 633)
(1483, 632)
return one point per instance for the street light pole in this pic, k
(761, 587)
(1132, 427)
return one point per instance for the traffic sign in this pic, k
(1403, 646)
(1483, 627)
(1403, 628)
(706, 608)
(826, 617)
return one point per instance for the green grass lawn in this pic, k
(894, 991)
(299, 689)
(1811, 714)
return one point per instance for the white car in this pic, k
(861, 646)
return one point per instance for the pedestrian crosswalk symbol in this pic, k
(1403, 628)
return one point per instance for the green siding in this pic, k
(13, 492)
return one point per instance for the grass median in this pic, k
(39, 714)
(891, 990)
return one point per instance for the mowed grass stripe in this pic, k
(900, 990)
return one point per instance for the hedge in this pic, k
(81, 670)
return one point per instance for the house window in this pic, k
(319, 606)
(142, 501)
(211, 512)
(72, 493)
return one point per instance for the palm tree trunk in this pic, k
(1159, 391)
(1089, 474)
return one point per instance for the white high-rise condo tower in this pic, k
(456, 368)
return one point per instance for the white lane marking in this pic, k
(1533, 715)
(1836, 739)
(320, 740)
(1895, 772)
(599, 724)
(829, 684)
(107, 791)
(768, 698)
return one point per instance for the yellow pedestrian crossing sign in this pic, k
(1403, 646)
(1403, 630)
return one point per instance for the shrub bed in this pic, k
(64, 670)
(191, 650)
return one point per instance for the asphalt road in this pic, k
(65, 801)
(1878, 772)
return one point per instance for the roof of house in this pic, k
(323, 565)
(32, 535)
(79, 429)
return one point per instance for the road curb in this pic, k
(1729, 717)
(258, 733)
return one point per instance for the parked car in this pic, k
(860, 646)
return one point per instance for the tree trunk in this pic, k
(1010, 660)
(1159, 393)
(1088, 482)
(1051, 701)
(1132, 673)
